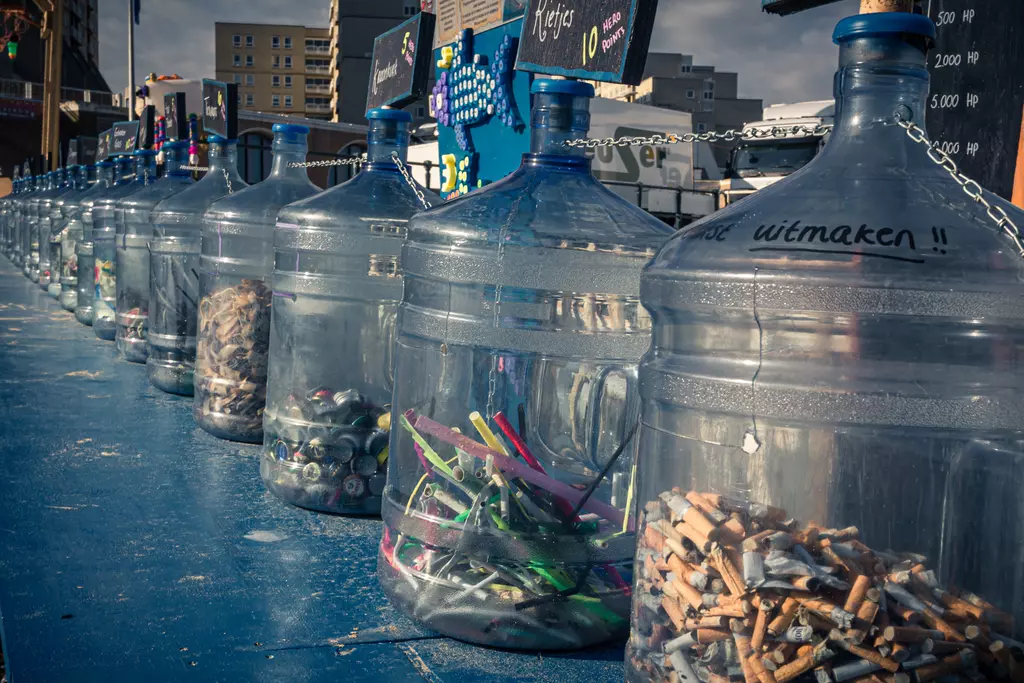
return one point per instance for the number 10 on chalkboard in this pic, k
(610, 37)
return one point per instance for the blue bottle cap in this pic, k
(146, 153)
(175, 144)
(218, 139)
(290, 128)
(883, 23)
(381, 114)
(562, 87)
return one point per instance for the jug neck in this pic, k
(223, 155)
(880, 79)
(554, 119)
(105, 173)
(384, 137)
(123, 170)
(176, 156)
(289, 147)
(145, 167)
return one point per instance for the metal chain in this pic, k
(970, 187)
(227, 179)
(408, 179)
(200, 169)
(347, 161)
(712, 136)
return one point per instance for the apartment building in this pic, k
(278, 69)
(354, 24)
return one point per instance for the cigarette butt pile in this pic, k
(731, 591)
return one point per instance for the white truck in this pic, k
(658, 178)
(756, 164)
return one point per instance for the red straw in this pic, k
(518, 442)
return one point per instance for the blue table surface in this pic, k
(136, 547)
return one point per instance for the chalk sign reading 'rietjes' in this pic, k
(175, 116)
(123, 138)
(103, 149)
(220, 109)
(400, 67)
(601, 40)
(976, 99)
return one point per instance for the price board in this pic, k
(976, 100)
(601, 40)
(124, 137)
(103, 148)
(220, 109)
(401, 63)
(147, 127)
(175, 116)
(86, 150)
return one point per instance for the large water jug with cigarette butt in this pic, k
(236, 266)
(832, 439)
(337, 286)
(49, 215)
(134, 233)
(96, 250)
(45, 185)
(64, 207)
(174, 269)
(80, 226)
(8, 209)
(33, 186)
(519, 332)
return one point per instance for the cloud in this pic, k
(779, 59)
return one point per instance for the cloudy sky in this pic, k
(778, 59)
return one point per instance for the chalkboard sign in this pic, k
(601, 40)
(103, 147)
(401, 63)
(977, 87)
(86, 150)
(784, 7)
(147, 127)
(123, 138)
(220, 109)
(175, 116)
(72, 153)
(26, 169)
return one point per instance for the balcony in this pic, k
(323, 70)
(318, 109)
(318, 50)
(318, 89)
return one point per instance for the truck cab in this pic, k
(756, 164)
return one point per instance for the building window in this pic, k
(250, 80)
(702, 127)
(275, 81)
(275, 100)
(421, 112)
(287, 101)
(249, 99)
(685, 68)
(287, 81)
(709, 94)
(275, 62)
(250, 41)
(236, 60)
(236, 40)
(275, 43)
(254, 160)
(249, 61)
(690, 94)
(411, 7)
(287, 42)
(238, 78)
(287, 62)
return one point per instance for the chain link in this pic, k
(408, 179)
(712, 136)
(199, 169)
(970, 187)
(347, 161)
(227, 179)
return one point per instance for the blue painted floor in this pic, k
(135, 547)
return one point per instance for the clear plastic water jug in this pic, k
(174, 270)
(8, 208)
(45, 189)
(135, 230)
(48, 211)
(70, 234)
(20, 219)
(515, 396)
(24, 221)
(237, 262)
(337, 285)
(106, 215)
(112, 174)
(49, 271)
(832, 441)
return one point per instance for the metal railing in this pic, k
(33, 92)
(318, 49)
(318, 89)
(318, 68)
